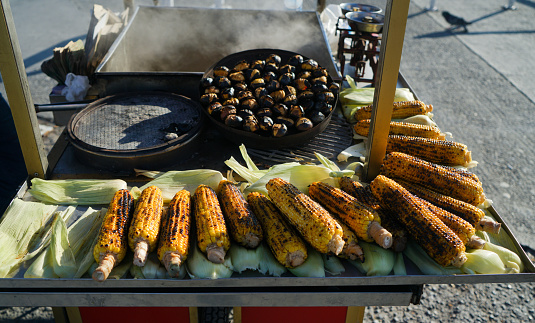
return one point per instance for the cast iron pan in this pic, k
(254, 140)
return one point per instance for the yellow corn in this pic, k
(358, 216)
(352, 249)
(436, 238)
(285, 244)
(112, 243)
(240, 219)
(174, 234)
(362, 128)
(313, 222)
(145, 226)
(437, 151)
(447, 180)
(212, 236)
(469, 212)
(401, 110)
(458, 225)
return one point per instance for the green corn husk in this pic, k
(61, 253)
(399, 265)
(481, 261)
(333, 265)
(268, 264)
(153, 268)
(509, 258)
(136, 272)
(83, 235)
(76, 191)
(378, 261)
(335, 170)
(425, 263)
(244, 259)
(199, 267)
(23, 226)
(312, 267)
(173, 181)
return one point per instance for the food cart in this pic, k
(347, 293)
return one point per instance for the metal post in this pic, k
(510, 5)
(432, 5)
(385, 85)
(19, 97)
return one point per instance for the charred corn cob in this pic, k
(145, 226)
(436, 238)
(456, 183)
(352, 249)
(359, 217)
(437, 151)
(401, 110)
(362, 128)
(472, 214)
(312, 221)
(174, 235)
(388, 219)
(458, 225)
(285, 244)
(112, 242)
(240, 219)
(212, 236)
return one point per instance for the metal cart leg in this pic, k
(355, 314)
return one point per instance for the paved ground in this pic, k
(480, 83)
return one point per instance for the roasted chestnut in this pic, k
(288, 122)
(269, 76)
(273, 58)
(226, 111)
(214, 109)
(244, 94)
(279, 130)
(252, 74)
(266, 101)
(296, 60)
(259, 82)
(304, 75)
(232, 101)
(265, 123)
(234, 121)
(227, 93)
(326, 108)
(258, 64)
(250, 104)
(280, 109)
(321, 80)
(264, 112)
(260, 92)
(307, 104)
(287, 69)
(290, 99)
(325, 96)
(286, 79)
(212, 89)
(309, 65)
(305, 95)
(319, 87)
(319, 71)
(240, 87)
(250, 124)
(296, 112)
(244, 113)
(271, 67)
(237, 76)
(303, 124)
(241, 65)
(222, 82)
(208, 98)
(316, 117)
(334, 88)
(301, 84)
(206, 81)
(221, 71)
(278, 95)
(289, 90)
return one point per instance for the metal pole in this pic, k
(432, 5)
(385, 86)
(19, 97)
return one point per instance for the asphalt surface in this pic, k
(480, 83)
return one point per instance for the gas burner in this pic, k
(363, 47)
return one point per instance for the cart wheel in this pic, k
(215, 314)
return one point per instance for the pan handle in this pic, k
(67, 106)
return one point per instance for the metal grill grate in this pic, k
(333, 140)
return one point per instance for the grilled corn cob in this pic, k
(287, 247)
(359, 217)
(472, 214)
(174, 235)
(145, 226)
(436, 238)
(312, 221)
(388, 219)
(240, 219)
(352, 249)
(362, 128)
(442, 152)
(212, 236)
(456, 183)
(401, 110)
(112, 243)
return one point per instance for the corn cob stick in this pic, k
(401, 110)
(442, 152)
(312, 221)
(359, 217)
(474, 215)
(388, 219)
(362, 128)
(285, 244)
(112, 243)
(174, 235)
(212, 236)
(447, 180)
(436, 238)
(240, 219)
(351, 249)
(145, 226)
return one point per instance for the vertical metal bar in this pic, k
(385, 85)
(355, 314)
(19, 97)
